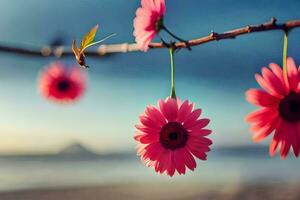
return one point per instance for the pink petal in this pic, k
(184, 110)
(191, 118)
(285, 140)
(179, 164)
(153, 151)
(292, 74)
(160, 6)
(198, 141)
(188, 159)
(169, 108)
(148, 130)
(144, 41)
(261, 114)
(149, 163)
(199, 150)
(263, 120)
(184, 156)
(148, 122)
(265, 131)
(163, 162)
(261, 98)
(140, 149)
(266, 85)
(199, 124)
(199, 154)
(295, 139)
(273, 81)
(148, 4)
(154, 114)
(275, 142)
(138, 135)
(200, 132)
(171, 169)
(149, 138)
(278, 72)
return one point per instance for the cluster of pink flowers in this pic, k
(171, 135)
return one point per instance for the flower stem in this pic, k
(176, 37)
(284, 55)
(173, 35)
(173, 95)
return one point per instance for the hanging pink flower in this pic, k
(148, 22)
(62, 84)
(169, 137)
(280, 108)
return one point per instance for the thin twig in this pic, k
(63, 51)
(268, 26)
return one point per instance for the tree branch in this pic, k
(268, 26)
(102, 50)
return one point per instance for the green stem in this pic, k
(284, 55)
(173, 95)
(173, 35)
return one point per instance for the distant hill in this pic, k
(76, 149)
(79, 151)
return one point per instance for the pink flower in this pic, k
(280, 108)
(148, 22)
(169, 137)
(62, 84)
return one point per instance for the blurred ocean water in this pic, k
(221, 168)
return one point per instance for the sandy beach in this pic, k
(162, 192)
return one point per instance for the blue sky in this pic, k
(214, 76)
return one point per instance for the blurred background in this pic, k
(86, 150)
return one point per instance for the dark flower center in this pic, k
(159, 24)
(289, 107)
(173, 135)
(63, 85)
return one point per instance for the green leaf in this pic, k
(94, 43)
(88, 38)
